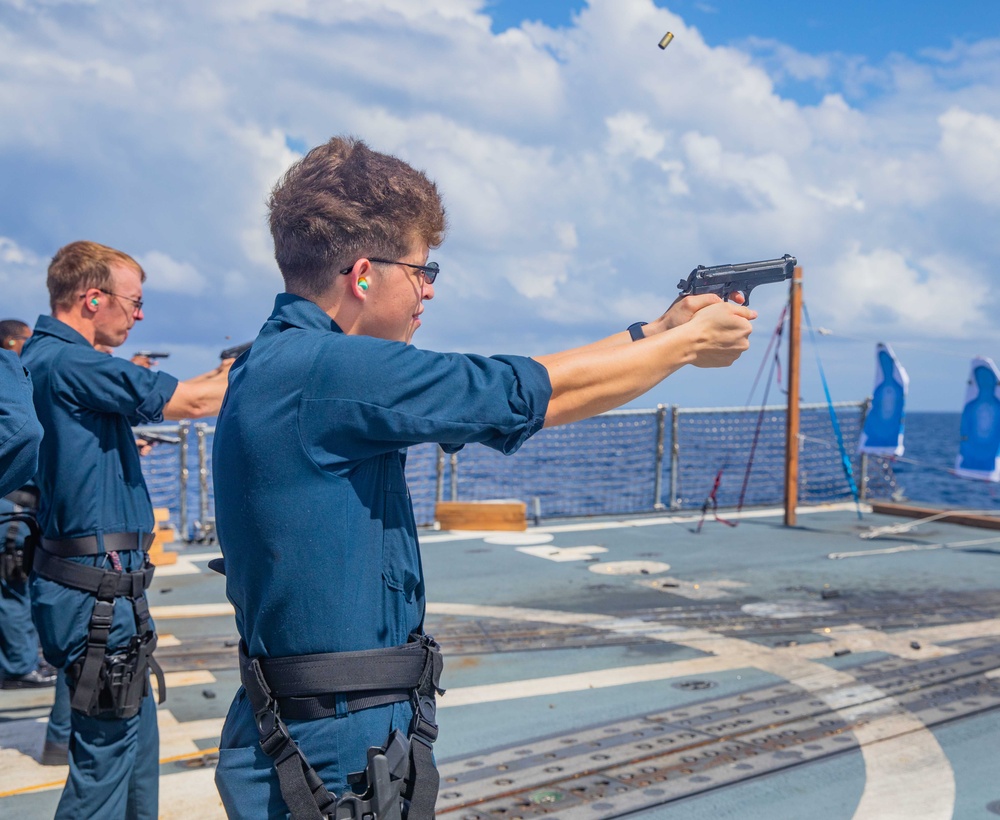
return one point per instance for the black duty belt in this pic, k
(106, 586)
(89, 544)
(306, 687)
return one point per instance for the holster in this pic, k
(123, 680)
(401, 779)
(18, 552)
(108, 684)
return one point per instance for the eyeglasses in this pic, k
(136, 303)
(430, 270)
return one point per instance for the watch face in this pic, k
(635, 331)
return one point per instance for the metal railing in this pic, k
(618, 462)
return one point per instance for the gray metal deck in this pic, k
(609, 668)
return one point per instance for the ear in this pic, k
(361, 278)
(92, 299)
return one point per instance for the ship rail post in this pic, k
(201, 429)
(439, 476)
(661, 422)
(866, 406)
(183, 432)
(793, 441)
(675, 456)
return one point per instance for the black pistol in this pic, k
(234, 351)
(726, 279)
(152, 354)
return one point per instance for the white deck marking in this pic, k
(519, 539)
(954, 632)
(907, 773)
(185, 564)
(598, 679)
(21, 744)
(629, 567)
(178, 738)
(166, 613)
(858, 638)
(562, 553)
(189, 677)
(188, 795)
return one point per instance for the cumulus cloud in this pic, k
(22, 281)
(169, 275)
(585, 170)
(970, 145)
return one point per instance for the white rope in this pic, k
(892, 529)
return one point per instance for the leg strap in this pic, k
(106, 586)
(404, 768)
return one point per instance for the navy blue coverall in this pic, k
(18, 639)
(92, 485)
(20, 432)
(20, 435)
(314, 516)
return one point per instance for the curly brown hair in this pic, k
(343, 201)
(78, 266)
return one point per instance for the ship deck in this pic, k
(632, 667)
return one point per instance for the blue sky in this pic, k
(584, 169)
(872, 28)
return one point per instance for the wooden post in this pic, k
(792, 425)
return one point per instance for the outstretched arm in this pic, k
(199, 396)
(607, 374)
(680, 312)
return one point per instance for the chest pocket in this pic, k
(400, 562)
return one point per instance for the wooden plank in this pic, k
(481, 515)
(163, 534)
(913, 511)
(792, 420)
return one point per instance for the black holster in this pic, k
(401, 779)
(122, 683)
(108, 684)
(18, 552)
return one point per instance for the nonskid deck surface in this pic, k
(630, 667)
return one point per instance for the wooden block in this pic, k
(163, 534)
(481, 515)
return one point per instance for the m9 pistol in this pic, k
(725, 279)
(235, 351)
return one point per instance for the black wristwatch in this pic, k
(635, 331)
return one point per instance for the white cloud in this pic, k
(22, 281)
(632, 133)
(970, 144)
(169, 275)
(584, 169)
(897, 295)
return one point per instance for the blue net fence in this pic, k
(623, 462)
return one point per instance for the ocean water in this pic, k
(608, 465)
(922, 474)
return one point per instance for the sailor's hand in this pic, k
(721, 333)
(684, 309)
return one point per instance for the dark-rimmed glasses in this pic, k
(430, 270)
(136, 303)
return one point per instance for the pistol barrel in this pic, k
(742, 277)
